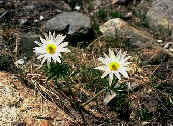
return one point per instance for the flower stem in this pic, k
(87, 102)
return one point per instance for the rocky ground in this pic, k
(143, 28)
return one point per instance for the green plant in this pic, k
(144, 114)
(116, 14)
(91, 78)
(57, 71)
(102, 14)
(5, 61)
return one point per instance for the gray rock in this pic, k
(118, 27)
(2, 2)
(109, 97)
(63, 6)
(75, 20)
(27, 43)
(31, 11)
(160, 15)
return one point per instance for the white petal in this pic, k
(38, 43)
(101, 68)
(128, 57)
(127, 63)
(106, 56)
(49, 59)
(46, 36)
(59, 38)
(124, 73)
(43, 60)
(104, 74)
(53, 35)
(40, 57)
(39, 50)
(111, 54)
(119, 55)
(101, 59)
(43, 40)
(56, 59)
(64, 44)
(117, 75)
(50, 35)
(64, 50)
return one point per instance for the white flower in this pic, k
(51, 47)
(114, 65)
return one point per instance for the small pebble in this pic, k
(160, 41)
(168, 45)
(109, 96)
(41, 17)
(20, 62)
(129, 15)
(77, 8)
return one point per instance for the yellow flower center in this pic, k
(51, 48)
(114, 66)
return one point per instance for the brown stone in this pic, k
(26, 104)
(118, 27)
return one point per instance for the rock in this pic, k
(8, 115)
(96, 4)
(77, 25)
(31, 11)
(75, 20)
(63, 6)
(159, 41)
(158, 57)
(109, 97)
(123, 1)
(9, 95)
(118, 27)
(169, 46)
(2, 2)
(160, 15)
(128, 15)
(77, 8)
(45, 123)
(21, 105)
(27, 43)
(153, 55)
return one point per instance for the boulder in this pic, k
(27, 43)
(118, 27)
(75, 24)
(160, 15)
(20, 105)
(74, 20)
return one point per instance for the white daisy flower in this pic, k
(114, 65)
(51, 47)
